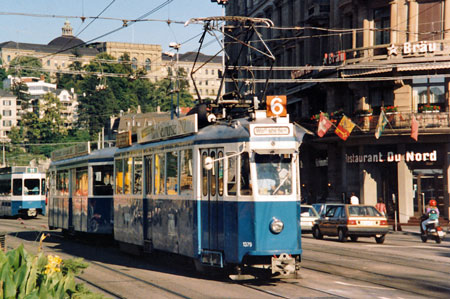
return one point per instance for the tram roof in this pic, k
(102, 155)
(219, 132)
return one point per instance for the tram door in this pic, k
(212, 204)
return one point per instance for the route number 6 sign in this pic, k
(276, 106)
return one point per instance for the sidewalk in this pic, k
(411, 229)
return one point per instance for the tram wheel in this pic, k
(316, 233)
(342, 236)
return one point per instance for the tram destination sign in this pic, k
(168, 129)
(77, 150)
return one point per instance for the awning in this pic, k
(424, 67)
(363, 72)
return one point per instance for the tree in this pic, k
(24, 66)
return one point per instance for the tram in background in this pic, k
(226, 194)
(81, 190)
(22, 191)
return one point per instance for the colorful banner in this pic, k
(324, 125)
(382, 122)
(344, 128)
(414, 128)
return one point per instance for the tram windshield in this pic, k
(274, 174)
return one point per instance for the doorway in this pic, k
(428, 184)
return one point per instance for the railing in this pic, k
(397, 121)
(402, 120)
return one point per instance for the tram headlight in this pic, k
(276, 226)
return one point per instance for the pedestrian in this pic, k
(354, 200)
(381, 207)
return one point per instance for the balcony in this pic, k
(398, 123)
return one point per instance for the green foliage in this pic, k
(23, 275)
(24, 66)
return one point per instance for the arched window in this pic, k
(148, 64)
(134, 63)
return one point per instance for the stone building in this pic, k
(359, 58)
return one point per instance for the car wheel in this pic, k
(380, 240)
(342, 236)
(316, 233)
(438, 240)
(354, 238)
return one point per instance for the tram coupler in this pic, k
(284, 265)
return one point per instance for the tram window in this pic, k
(137, 182)
(17, 187)
(204, 175)
(119, 176)
(213, 175)
(62, 182)
(127, 175)
(186, 172)
(81, 181)
(148, 174)
(102, 180)
(5, 187)
(31, 186)
(220, 173)
(172, 173)
(246, 185)
(160, 187)
(231, 177)
(274, 174)
(42, 186)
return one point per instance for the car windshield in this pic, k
(308, 211)
(274, 174)
(363, 211)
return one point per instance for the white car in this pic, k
(308, 217)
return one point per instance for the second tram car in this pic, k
(226, 195)
(81, 190)
(22, 191)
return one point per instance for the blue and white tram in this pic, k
(226, 195)
(81, 190)
(22, 191)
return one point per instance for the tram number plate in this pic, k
(367, 222)
(247, 244)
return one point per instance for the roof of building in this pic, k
(190, 57)
(48, 48)
(6, 93)
(65, 42)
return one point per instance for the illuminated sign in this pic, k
(392, 157)
(271, 130)
(332, 58)
(168, 129)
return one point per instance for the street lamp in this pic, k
(176, 46)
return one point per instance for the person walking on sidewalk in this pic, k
(354, 200)
(380, 206)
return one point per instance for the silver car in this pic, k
(308, 217)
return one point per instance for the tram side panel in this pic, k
(129, 220)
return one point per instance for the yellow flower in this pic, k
(54, 263)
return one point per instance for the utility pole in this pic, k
(176, 46)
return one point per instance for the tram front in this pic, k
(269, 219)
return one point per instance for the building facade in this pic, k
(369, 56)
(8, 108)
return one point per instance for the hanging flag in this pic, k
(344, 128)
(382, 122)
(414, 128)
(324, 125)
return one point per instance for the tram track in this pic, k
(399, 260)
(374, 278)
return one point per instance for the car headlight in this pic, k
(276, 226)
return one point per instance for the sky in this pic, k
(41, 30)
